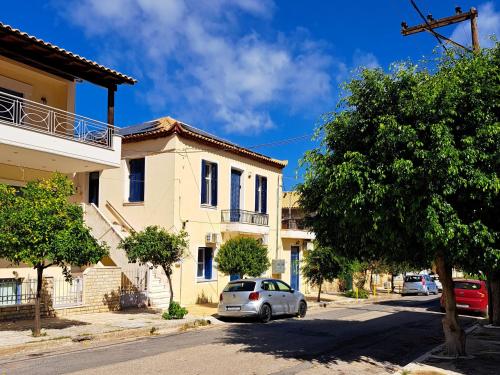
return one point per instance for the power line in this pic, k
(427, 23)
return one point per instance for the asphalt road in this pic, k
(362, 339)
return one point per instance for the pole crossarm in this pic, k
(439, 22)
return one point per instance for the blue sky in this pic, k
(251, 71)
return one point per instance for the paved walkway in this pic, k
(483, 357)
(96, 324)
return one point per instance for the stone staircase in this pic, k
(112, 233)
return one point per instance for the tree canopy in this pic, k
(39, 226)
(408, 168)
(319, 265)
(157, 246)
(242, 256)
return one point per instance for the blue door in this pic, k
(235, 195)
(294, 264)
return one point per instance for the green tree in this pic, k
(242, 256)
(408, 171)
(319, 265)
(41, 228)
(157, 246)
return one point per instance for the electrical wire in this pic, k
(428, 24)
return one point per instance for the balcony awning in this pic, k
(29, 50)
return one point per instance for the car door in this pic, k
(272, 296)
(286, 296)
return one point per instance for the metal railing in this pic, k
(66, 293)
(290, 223)
(134, 287)
(244, 217)
(17, 292)
(31, 115)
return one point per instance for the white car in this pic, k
(435, 278)
(419, 284)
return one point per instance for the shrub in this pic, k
(175, 311)
(362, 293)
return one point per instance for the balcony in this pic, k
(38, 136)
(295, 228)
(241, 221)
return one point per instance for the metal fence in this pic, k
(134, 287)
(17, 292)
(25, 113)
(244, 217)
(66, 294)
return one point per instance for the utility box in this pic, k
(278, 266)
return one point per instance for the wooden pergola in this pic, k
(29, 50)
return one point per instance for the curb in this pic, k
(418, 361)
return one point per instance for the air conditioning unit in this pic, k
(211, 238)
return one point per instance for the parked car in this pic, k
(435, 278)
(262, 298)
(470, 295)
(419, 284)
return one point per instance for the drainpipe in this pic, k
(277, 217)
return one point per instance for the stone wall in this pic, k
(101, 292)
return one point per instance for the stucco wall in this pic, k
(172, 200)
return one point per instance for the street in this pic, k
(371, 338)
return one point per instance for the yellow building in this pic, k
(296, 240)
(179, 177)
(40, 133)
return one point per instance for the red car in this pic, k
(471, 295)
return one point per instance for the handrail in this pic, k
(244, 217)
(119, 216)
(40, 117)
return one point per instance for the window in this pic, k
(205, 260)
(467, 285)
(282, 287)
(10, 292)
(136, 178)
(240, 286)
(260, 194)
(269, 286)
(208, 183)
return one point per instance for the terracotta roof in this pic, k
(290, 199)
(167, 125)
(33, 51)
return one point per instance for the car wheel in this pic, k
(265, 313)
(302, 309)
(427, 293)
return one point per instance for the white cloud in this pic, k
(362, 59)
(488, 22)
(195, 58)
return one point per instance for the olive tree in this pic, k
(408, 171)
(40, 227)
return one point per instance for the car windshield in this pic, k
(467, 285)
(240, 286)
(413, 279)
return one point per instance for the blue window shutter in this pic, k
(257, 181)
(203, 186)
(233, 277)
(208, 263)
(136, 191)
(264, 195)
(214, 185)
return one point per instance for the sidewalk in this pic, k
(483, 357)
(17, 336)
(337, 299)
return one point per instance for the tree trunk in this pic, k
(392, 283)
(169, 278)
(38, 324)
(453, 332)
(494, 298)
(319, 292)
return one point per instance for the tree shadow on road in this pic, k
(328, 341)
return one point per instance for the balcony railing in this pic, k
(31, 115)
(296, 224)
(244, 217)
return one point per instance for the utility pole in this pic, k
(431, 24)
